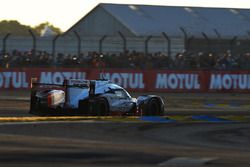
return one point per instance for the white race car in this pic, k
(91, 97)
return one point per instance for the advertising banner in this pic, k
(237, 81)
(174, 81)
(134, 80)
(20, 78)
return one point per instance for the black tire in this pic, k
(102, 107)
(33, 104)
(153, 107)
(84, 107)
(36, 108)
(133, 110)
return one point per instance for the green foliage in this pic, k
(13, 27)
(17, 29)
(41, 26)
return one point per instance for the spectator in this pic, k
(135, 60)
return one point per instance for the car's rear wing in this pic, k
(67, 83)
(67, 86)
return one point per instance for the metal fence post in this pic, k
(217, 33)
(185, 37)
(219, 39)
(54, 48)
(34, 42)
(100, 43)
(169, 43)
(232, 43)
(146, 44)
(4, 43)
(208, 41)
(124, 41)
(78, 42)
(189, 42)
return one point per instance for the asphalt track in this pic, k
(212, 137)
(86, 143)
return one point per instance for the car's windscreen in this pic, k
(121, 93)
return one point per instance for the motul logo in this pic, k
(230, 81)
(59, 77)
(13, 80)
(177, 81)
(126, 80)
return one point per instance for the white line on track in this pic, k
(187, 161)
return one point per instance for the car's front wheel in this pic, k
(153, 107)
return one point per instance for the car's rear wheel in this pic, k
(32, 105)
(102, 107)
(35, 107)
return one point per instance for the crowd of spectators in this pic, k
(135, 60)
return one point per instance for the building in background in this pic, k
(115, 28)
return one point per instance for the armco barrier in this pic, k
(135, 80)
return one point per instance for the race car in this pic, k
(90, 97)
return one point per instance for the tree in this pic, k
(41, 26)
(15, 28)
